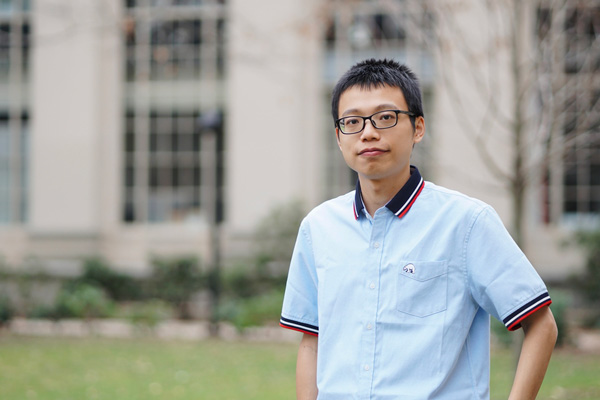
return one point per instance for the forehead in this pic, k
(357, 99)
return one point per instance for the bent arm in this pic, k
(306, 368)
(540, 337)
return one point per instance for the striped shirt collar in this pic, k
(401, 202)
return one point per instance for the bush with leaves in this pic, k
(589, 282)
(176, 280)
(254, 288)
(258, 310)
(82, 300)
(7, 310)
(148, 313)
(561, 301)
(117, 285)
(275, 236)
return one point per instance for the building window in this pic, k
(373, 29)
(572, 185)
(165, 171)
(173, 136)
(14, 121)
(581, 128)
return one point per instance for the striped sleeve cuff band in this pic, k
(513, 321)
(299, 326)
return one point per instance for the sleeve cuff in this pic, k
(299, 326)
(513, 320)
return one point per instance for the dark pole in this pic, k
(210, 122)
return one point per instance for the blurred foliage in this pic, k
(561, 300)
(7, 310)
(82, 300)
(258, 310)
(502, 335)
(253, 289)
(117, 285)
(176, 280)
(43, 311)
(275, 236)
(589, 282)
(148, 313)
(251, 279)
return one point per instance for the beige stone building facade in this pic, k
(128, 127)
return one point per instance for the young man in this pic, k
(393, 284)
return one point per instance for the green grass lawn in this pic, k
(570, 376)
(53, 369)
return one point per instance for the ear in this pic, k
(337, 136)
(419, 131)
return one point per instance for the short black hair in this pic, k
(372, 73)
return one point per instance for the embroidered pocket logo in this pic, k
(409, 268)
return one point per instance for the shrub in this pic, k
(266, 270)
(176, 280)
(588, 284)
(81, 300)
(590, 281)
(148, 313)
(275, 237)
(255, 311)
(560, 303)
(502, 335)
(7, 311)
(43, 311)
(117, 285)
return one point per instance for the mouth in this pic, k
(371, 152)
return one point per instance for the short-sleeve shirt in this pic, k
(401, 301)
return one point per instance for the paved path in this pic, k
(583, 340)
(171, 329)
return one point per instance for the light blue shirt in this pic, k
(401, 301)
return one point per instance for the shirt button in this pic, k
(376, 245)
(369, 326)
(372, 285)
(366, 368)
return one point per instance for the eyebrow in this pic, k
(355, 111)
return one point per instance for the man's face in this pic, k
(378, 154)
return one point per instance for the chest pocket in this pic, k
(422, 287)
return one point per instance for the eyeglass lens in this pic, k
(380, 120)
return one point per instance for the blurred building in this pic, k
(128, 127)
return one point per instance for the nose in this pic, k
(369, 132)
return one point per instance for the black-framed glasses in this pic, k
(381, 120)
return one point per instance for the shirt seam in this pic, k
(465, 257)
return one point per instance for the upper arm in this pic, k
(540, 321)
(309, 342)
(502, 280)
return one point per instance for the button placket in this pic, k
(372, 286)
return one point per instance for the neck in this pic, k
(377, 193)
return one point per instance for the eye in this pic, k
(385, 116)
(351, 121)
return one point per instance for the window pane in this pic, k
(162, 149)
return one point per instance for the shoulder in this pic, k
(440, 204)
(341, 206)
(437, 195)
(331, 211)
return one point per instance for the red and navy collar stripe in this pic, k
(402, 201)
(513, 321)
